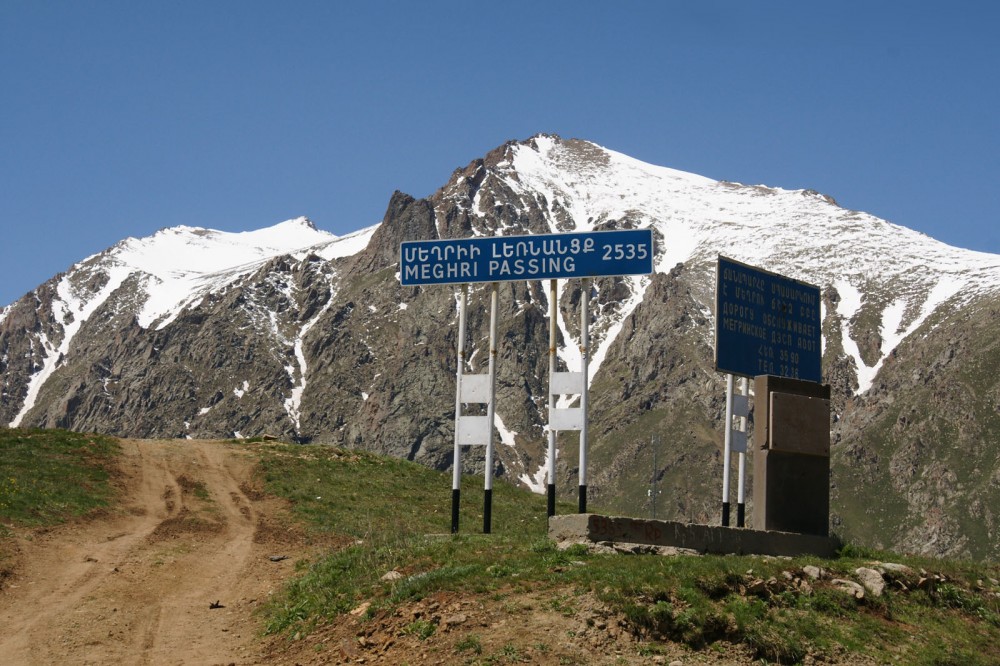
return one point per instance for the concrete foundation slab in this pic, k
(712, 539)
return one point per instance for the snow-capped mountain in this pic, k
(172, 271)
(294, 332)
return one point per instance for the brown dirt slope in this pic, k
(137, 585)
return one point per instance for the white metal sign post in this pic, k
(568, 383)
(456, 473)
(553, 311)
(741, 411)
(491, 413)
(584, 389)
(737, 410)
(727, 461)
(474, 430)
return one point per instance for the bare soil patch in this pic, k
(515, 627)
(174, 576)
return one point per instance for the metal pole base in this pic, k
(551, 509)
(487, 510)
(725, 514)
(454, 509)
(740, 514)
(583, 500)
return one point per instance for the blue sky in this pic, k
(120, 118)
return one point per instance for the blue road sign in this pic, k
(533, 257)
(766, 324)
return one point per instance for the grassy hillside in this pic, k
(398, 513)
(48, 476)
(393, 517)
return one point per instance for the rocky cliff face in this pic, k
(917, 465)
(309, 337)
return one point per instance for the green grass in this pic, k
(471, 643)
(398, 514)
(50, 476)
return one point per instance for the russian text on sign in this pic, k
(766, 324)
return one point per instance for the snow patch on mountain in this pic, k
(638, 285)
(183, 264)
(850, 303)
(798, 233)
(536, 482)
(298, 376)
(507, 436)
(70, 309)
(346, 246)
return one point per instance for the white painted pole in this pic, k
(741, 494)
(553, 305)
(456, 476)
(584, 352)
(726, 454)
(491, 412)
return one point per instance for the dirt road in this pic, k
(172, 577)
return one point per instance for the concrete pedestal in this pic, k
(791, 463)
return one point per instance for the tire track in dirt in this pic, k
(137, 586)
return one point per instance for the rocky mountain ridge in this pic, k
(297, 333)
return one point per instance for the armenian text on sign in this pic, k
(531, 257)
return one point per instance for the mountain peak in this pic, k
(244, 333)
(302, 222)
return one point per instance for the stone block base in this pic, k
(712, 539)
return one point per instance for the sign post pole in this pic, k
(741, 493)
(553, 310)
(490, 412)
(584, 352)
(456, 479)
(726, 451)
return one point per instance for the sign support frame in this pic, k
(564, 383)
(490, 413)
(585, 353)
(553, 435)
(475, 430)
(741, 493)
(570, 255)
(737, 401)
(726, 450)
(456, 477)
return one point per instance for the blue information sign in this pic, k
(766, 324)
(533, 257)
